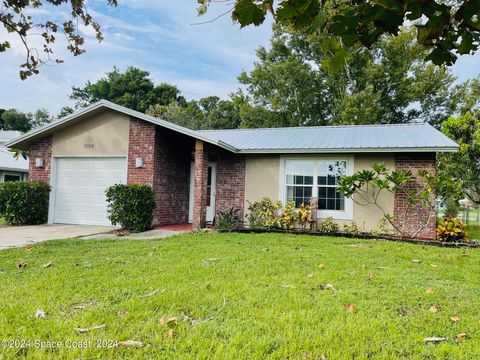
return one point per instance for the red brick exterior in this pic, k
(172, 177)
(230, 183)
(200, 188)
(141, 143)
(415, 215)
(40, 149)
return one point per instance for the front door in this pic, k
(211, 193)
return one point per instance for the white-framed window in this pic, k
(12, 177)
(304, 178)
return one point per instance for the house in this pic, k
(196, 173)
(11, 169)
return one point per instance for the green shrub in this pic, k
(383, 228)
(264, 214)
(451, 229)
(328, 226)
(351, 229)
(24, 202)
(131, 206)
(228, 220)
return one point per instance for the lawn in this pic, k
(248, 296)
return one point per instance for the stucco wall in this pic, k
(262, 180)
(102, 134)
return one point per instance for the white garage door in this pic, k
(80, 189)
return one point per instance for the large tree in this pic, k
(465, 163)
(13, 119)
(209, 112)
(132, 88)
(19, 18)
(390, 83)
(448, 28)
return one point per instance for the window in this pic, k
(11, 177)
(328, 173)
(307, 178)
(299, 181)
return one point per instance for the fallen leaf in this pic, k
(170, 334)
(47, 265)
(169, 321)
(433, 265)
(288, 286)
(130, 343)
(81, 306)
(323, 357)
(430, 291)
(433, 309)
(461, 336)
(350, 308)
(370, 277)
(434, 339)
(122, 313)
(40, 314)
(383, 268)
(152, 293)
(309, 276)
(330, 287)
(86, 330)
(464, 253)
(321, 266)
(28, 248)
(454, 318)
(416, 261)
(21, 265)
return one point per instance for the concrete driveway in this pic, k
(18, 236)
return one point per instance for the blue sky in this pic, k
(156, 36)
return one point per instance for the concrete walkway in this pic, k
(19, 236)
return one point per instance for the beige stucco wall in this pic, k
(262, 180)
(102, 134)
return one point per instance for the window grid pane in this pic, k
(328, 174)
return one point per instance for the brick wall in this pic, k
(141, 143)
(172, 177)
(200, 186)
(230, 182)
(40, 149)
(416, 214)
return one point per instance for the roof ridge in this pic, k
(317, 127)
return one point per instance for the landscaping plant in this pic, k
(131, 206)
(351, 229)
(24, 202)
(289, 216)
(328, 226)
(304, 216)
(228, 220)
(365, 187)
(451, 229)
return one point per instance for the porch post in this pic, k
(199, 216)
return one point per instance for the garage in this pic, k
(79, 188)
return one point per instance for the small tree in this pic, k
(421, 190)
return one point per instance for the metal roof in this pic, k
(9, 163)
(317, 139)
(354, 138)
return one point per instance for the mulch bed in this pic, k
(470, 244)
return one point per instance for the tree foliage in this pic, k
(12, 119)
(389, 83)
(465, 163)
(447, 28)
(16, 18)
(132, 88)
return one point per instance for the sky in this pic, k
(157, 36)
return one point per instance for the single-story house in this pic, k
(11, 169)
(196, 173)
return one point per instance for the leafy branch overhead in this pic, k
(449, 28)
(17, 19)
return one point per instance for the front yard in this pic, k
(242, 296)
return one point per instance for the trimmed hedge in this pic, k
(131, 206)
(24, 202)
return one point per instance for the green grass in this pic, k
(259, 297)
(473, 232)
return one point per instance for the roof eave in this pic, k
(347, 150)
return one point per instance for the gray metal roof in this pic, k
(359, 138)
(317, 139)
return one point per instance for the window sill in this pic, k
(336, 215)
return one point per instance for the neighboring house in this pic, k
(11, 169)
(196, 173)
